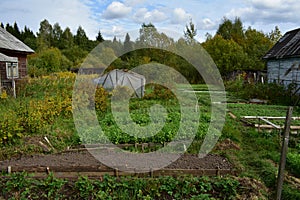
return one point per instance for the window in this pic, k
(12, 69)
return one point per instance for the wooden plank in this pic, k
(268, 117)
(267, 126)
(57, 168)
(232, 115)
(270, 123)
(96, 173)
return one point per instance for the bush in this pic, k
(272, 92)
(289, 193)
(11, 128)
(160, 92)
(293, 163)
(47, 61)
(101, 99)
(121, 93)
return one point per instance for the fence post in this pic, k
(284, 149)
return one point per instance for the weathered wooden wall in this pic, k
(277, 70)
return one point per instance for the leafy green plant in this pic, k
(227, 187)
(85, 187)
(293, 163)
(51, 187)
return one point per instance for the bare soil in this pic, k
(84, 158)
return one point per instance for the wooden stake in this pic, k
(284, 150)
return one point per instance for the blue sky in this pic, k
(115, 18)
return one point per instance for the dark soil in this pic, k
(84, 158)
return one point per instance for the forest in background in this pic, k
(233, 47)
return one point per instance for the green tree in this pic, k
(67, 39)
(128, 45)
(28, 37)
(44, 36)
(190, 32)
(57, 36)
(275, 35)
(227, 54)
(48, 60)
(99, 37)
(225, 29)
(256, 44)
(75, 54)
(151, 37)
(238, 31)
(81, 39)
(10, 29)
(231, 30)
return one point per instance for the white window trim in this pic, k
(15, 70)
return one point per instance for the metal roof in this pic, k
(10, 42)
(5, 58)
(287, 46)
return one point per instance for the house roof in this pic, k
(287, 46)
(5, 58)
(10, 42)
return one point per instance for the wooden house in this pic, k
(283, 59)
(13, 58)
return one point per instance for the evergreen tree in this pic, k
(99, 37)
(115, 39)
(9, 28)
(17, 32)
(81, 39)
(28, 37)
(128, 45)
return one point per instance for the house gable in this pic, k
(11, 47)
(283, 59)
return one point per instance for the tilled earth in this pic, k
(85, 158)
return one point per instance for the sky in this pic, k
(116, 18)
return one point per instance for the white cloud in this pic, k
(180, 16)
(68, 13)
(115, 30)
(274, 4)
(116, 10)
(133, 2)
(95, 15)
(207, 24)
(143, 15)
(268, 12)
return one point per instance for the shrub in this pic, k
(49, 60)
(274, 93)
(293, 163)
(11, 127)
(160, 92)
(121, 93)
(101, 99)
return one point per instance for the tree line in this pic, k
(232, 48)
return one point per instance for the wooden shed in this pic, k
(283, 59)
(13, 58)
